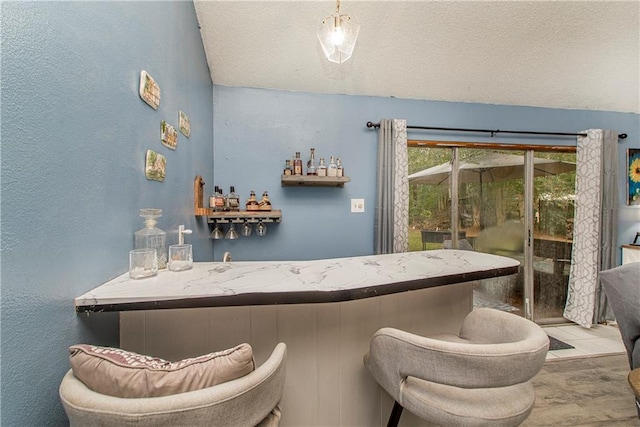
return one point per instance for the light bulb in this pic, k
(337, 36)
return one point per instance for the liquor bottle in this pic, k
(265, 203)
(212, 199)
(340, 168)
(332, 169)
(297, 164)
(232, 201)
(219, 201)
(322, 169)
(287, 168)
(252, 203)
(311, 164)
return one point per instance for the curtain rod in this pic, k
(494, 131)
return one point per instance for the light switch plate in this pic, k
(357, 205)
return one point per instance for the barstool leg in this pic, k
(394, 418)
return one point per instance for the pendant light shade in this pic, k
(338, 34)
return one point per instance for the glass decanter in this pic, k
(152, 237)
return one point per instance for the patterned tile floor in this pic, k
(598, 340)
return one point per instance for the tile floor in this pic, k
(598, 340)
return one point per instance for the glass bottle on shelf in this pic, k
(332, 169)
(340, 168)
(218, 200)
(311, 164)
(287, 168)
(297, 164)
(151, 237)
(265, 203)
(232, 200)
(252, 203)
(212, 200)
(322, 169)
(225, 201)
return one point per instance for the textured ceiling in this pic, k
(570, 54)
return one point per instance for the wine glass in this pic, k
(261, 229)
(232, 234)
(217, 232)
(246, 229)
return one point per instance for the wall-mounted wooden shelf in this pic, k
(228, 216)
(243, 216)
(313, 181)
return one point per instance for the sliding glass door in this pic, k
(512, 203)
(491, 199)
(553, 207)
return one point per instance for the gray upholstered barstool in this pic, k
(482, 376)
(246, 401)
(622, 287)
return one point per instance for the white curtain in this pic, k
(392, 202)
(595, 221)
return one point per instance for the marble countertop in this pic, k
(214, 284)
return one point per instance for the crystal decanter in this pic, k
(152, 237)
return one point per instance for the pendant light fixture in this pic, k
(338, 34)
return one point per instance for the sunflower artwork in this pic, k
(633, 183)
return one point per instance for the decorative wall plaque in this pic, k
(185, 124)
(155, 166)
(149, 90)
(168, 135)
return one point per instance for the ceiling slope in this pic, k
(569, 54)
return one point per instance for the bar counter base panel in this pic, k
(327, 384)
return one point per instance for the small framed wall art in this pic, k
(155, 166)
(168, 135)
(184, 124)
(149, 90)
(633, 176)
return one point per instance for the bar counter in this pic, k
(326, 311)
(216, 284)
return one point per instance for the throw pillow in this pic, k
(120, 373)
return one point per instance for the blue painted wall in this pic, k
(74, 133)
(256, 130)
(74, 136)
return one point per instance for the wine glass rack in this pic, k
(226, 217)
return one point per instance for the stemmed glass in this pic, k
(217, 232)
(232, 234)
(246, 229)
(261, 229)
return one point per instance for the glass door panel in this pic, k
(491, 216)
(554, 195)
